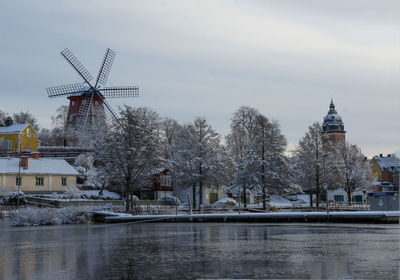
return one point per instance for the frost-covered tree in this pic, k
(84, 165)
(3, 116)
(257, 146)
(170, 131)
(26, 117)
(201, 160)
(266, 155)
(309, 163)
(60, 119)
(355, 169)
(238, 140)
(130, 153)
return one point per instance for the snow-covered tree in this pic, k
(201, 160)
(355, 169)
(3, 116)
(309, 162)
(266, 155)
(130, 153)
(238, 140)
(26, 117)
(257, 146)
(309, 159)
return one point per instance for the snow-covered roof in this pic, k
(37, 166)
(387, 163)
(15, 128)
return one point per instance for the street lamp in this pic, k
(325, 182)
(19, 170)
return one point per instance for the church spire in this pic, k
(332, 108)
(333, 125)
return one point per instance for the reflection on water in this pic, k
(172, 251)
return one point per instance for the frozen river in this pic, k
(175, 251)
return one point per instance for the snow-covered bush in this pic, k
(74, 215)
(30, 216)
(73, 192)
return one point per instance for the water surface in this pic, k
(174, 251)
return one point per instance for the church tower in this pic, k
(333, 126)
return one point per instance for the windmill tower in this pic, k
(87, 101)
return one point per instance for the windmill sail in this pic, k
(88, 105)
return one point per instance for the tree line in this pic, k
(253, 157)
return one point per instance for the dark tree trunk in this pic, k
(200, 194)
(311, 202)
(264, 196)
(244, 197)
(194, 195)
(349, 196)
(200, 187)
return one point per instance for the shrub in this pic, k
(30, 216)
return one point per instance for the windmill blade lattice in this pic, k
(119, 92)
(65, 90)
(77, 65)
(105, 67)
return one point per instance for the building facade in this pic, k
(386, 171)
(35, 175)
(19, 137)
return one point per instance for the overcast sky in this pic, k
(207, 58)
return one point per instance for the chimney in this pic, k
(24, 162)
(380, 155)
(389, 155)
(35, 155)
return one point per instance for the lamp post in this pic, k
(239, 188)
(325, 182)
(19, 170)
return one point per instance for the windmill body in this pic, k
(79, 104)
(87, 101)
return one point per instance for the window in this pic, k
(63, 181)
(39, 181)
(28, 132)
(165, 181)
(339, 198)
(18, 181)
(96, 103)
(72, 103)
(9, 144)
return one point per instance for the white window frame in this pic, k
(40, 181)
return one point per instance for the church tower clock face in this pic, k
(333, 125)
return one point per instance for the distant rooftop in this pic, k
(388, 163)
(15, 128)
(37, 166)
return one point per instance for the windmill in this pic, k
(88, 103)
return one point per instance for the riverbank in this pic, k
(280, 217)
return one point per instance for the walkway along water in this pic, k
(307, 217)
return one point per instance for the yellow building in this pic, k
(19, 136)
(37, 175)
